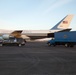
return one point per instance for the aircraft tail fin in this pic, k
(64, 23)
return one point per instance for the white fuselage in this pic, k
(37, 32)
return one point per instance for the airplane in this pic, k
(60, 26)
(38, 34)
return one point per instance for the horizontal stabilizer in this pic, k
(52, 34)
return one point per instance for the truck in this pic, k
(12, 41)
(66, 38)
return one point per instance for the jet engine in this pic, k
(25, 37)
(5, 36)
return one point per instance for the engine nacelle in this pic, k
(1, 38)
(25, 37)
(5, 36)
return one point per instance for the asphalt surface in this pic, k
(36, 58)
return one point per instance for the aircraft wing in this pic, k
(52, 34)
(16, 33)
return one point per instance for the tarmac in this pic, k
(36, 58)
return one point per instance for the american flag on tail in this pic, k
(65, 22)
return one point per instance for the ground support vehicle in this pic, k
(63, 38)
(13, 41)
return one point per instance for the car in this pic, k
(13, 41)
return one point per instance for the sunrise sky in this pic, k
(35, 14)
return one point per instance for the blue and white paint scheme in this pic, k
(60, 26)
(38, 34)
